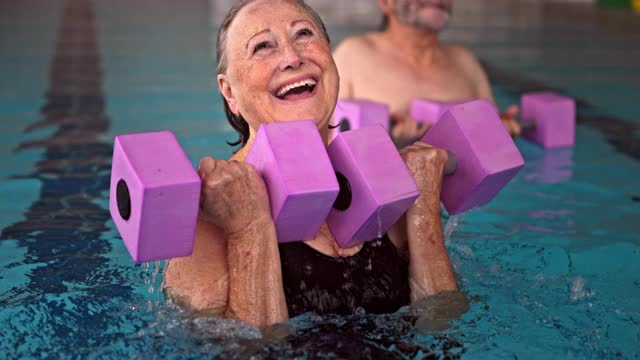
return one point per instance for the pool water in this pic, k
(549, 269)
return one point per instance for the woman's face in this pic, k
(280, 66)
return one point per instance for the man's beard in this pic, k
(407, 11)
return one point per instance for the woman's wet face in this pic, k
(280, 66)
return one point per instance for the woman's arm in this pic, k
(419, 233)
(235, 266)
(200, 281)
(256, 293)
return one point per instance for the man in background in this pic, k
(407, 60)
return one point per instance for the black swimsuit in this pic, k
(375, 279)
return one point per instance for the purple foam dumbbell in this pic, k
(293, 161)
(376, 187)
(486, 156)
(356, 114)
(549, 119)
(154, 196)
(430, 111)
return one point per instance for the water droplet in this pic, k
(452, 224)
(308, 269)
(379, 222)
(369, 266)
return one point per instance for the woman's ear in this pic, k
(225, 90)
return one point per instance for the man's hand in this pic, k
(405, 130)
(510, 122)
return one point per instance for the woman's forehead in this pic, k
(266, 14)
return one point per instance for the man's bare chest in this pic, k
(392, 83)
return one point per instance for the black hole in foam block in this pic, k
(123, 199)
(343, 201)
(345, 125)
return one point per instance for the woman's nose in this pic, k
(291, 59)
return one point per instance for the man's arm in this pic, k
(345, 55)
(480, 79)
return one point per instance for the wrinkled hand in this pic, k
(426, 165)
(405, 130)
(510, 121)
(233, 195)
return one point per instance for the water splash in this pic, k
(452, 224)
(579, 290)
(150, 278)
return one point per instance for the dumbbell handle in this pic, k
(527, 124)
(451, 165)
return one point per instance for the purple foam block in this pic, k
(151, 173)
(487, 158)
(382, 187)
(356, 114)
(293, 161)
(430, 111)
(554, 117)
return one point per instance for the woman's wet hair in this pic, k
(384, 24)
(238, 122)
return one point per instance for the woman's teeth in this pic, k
(286, 89)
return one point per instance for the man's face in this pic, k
(430, 15)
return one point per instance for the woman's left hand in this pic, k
(430, 270)
(426, 164)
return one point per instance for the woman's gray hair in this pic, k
(238, 123)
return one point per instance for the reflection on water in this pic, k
(552, 166)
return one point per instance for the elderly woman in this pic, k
(238, 269)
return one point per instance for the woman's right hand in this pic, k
(233, 196)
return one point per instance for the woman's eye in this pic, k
(304, 32)
(261, 46)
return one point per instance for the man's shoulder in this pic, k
(356, 44)
(461, 55)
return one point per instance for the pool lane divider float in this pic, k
(359, 185)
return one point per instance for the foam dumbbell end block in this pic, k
(487, 158)
(293, 161)
(429, 111)
(380, 185)
(356, 114)
(154, 196)
(551, 118)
